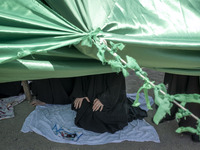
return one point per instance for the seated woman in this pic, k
(180, 84)
(101, 103)
(52, 91)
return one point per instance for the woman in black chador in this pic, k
(101, 103)
(179, 84)
(52, 91)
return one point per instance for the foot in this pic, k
(37, 103)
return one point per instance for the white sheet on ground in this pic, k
(43, 118)
(7, 106)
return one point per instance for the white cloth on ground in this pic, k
(43, 118)
(143, 105)
(7, 104)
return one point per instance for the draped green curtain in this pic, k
(39, 41)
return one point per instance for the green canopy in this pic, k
(40, 40)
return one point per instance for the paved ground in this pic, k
(12, 139)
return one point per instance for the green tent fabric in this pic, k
(39, 41)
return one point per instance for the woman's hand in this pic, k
(78, 102)
(97, 105)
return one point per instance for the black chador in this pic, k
(53, 91)
(110, 90)
(10, 89)
(184, 84)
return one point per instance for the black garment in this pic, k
(110, 90)
(53, 91)
(10, 89)
(179, 84)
